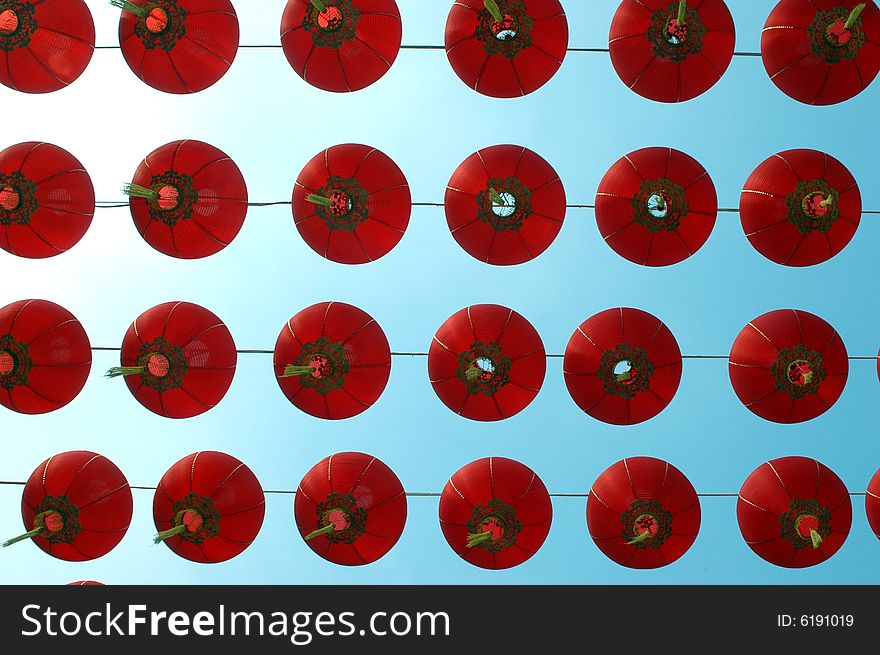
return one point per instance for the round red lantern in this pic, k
(800, 207)
(656, 206)
(332, 360)
(85, 583)
(188, 199)
(671, 51)
(46, 200)
(208, 507)
(486, 363)
(788, 366)
(178, 360)
(351, 204)
(622, 366)
(178, 46)
(495, 513)
(76, 506)
(350, 508)
(643, 513)
(506, 48)
(46, 45)
(821, 52)
(872, 504)
(794, 512)
(341, 45)
(45, 357)
(505, 205)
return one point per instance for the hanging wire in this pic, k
(417, 494)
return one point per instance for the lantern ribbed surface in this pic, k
(788, 366)
(495, 513)
(794, 512)
(356, 502)
(218, 500)
(47, 200)
(505, 205)
(45, 357)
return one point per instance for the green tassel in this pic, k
(327, 529)
(473, 373)
(828, 201)
(319, 5)
(682, 12)
(119, 371)
(854, 15)
(27, 535)
(477, 539)
(496, 198)
(319, 200)
(816, 538)
(623, 377)
(641, 538)
(492, 8)
(292, 370)
(125, 5)
(138, 191)
(167, 534)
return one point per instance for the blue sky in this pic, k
(271, 123)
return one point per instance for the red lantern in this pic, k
(45, 357)
(178, 46)
(788, 366)
(872, 504)
(794, 512)
(505, 205)
(341, 45)
(76, 506)
(351, 204)
(506, 48)
(332, 360)
(643, 513)
(350, 508)
(208, 507)
(671, 50)
(656, 206)
(85, 583)
(46, 200)
(800, 207)
(188, 199)
(622, 366)
(486, 363)
(45, 45)
(495, 513)
(178, 360)
(821, 52)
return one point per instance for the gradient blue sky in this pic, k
(271, 123)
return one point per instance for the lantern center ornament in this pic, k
(806, 523)
(173, 198)
(162, 365)
(196, 519)
(493, 526)
(504, 204)
(15, 363)
(18, 199)
(322, 366)
(331, 23)
(798, 371)
(508, 36)
(483, 368)
(660, 205)
(674, 34)
(646, 524)
(625, 370)
(160, 24)
(836, 35)
(17, 24)
(813, 206)
(58, 519)
(340, 519)
(341, 203)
